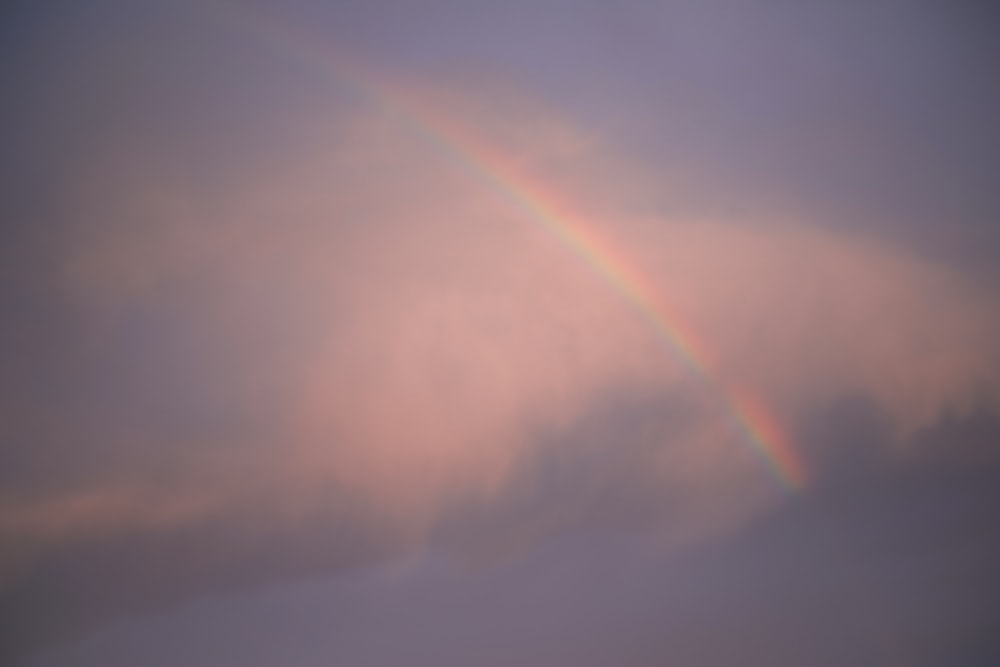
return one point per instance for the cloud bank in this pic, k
(325, 353)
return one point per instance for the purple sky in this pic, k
(291, 375)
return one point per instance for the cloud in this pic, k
(328, 352)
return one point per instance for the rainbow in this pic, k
(749, 416)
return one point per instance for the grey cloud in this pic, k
(895, 566)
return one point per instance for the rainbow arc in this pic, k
(749, 415)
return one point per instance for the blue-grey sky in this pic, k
(293, 368)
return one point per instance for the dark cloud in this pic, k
(895, 566)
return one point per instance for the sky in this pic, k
(535, 333)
